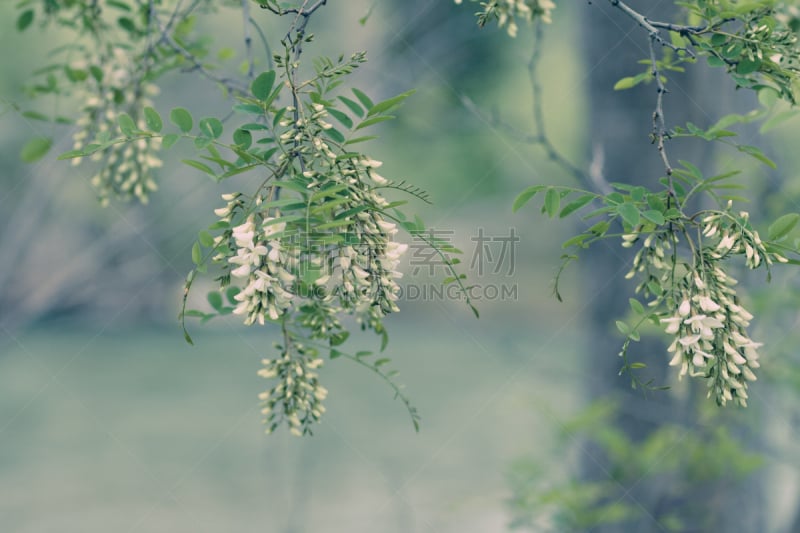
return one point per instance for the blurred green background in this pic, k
(109, 421)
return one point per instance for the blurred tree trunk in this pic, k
(621, 122)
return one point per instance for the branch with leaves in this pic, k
(314, 241)
(682, 256)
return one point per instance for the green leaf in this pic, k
(363, 98)
(205, 239)
(126, 124)
(262, 85)
(623, 327)
(243, 138)
(96, 72)
(575, 205)
(360, 139)
(656, 217)
(201, 166)
(629, 214)
(35, 149)
(389, 103)
(341, 117)
(197, 253)
(215, 300)
(35, 115)
(748, 66)
(231, 293)
(552, 202)
(781, 227)
(153, 119)
(25, 19)
(626, 83)
(127, 24)
(71, 154)
(182, 118)
(636, 306)
(755, 152)
(339, 338)
(336, 135)
(169, 140)
(374, 120)
(211, 127)
(354, 107)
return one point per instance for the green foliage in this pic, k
(682, 461)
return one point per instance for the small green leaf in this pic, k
(201, 166)
(25, 19)
(126, 124)
(373, 120)
(656, 217)
(153, 119)
(262, 85)
(169, 140)
(205, 239)
(552, 202)
(182, 118)
(755, 152)
(231, 293)
(623, 327)
(629, 214)
(243, 138)
(363, 98)
(354, 107)
(35, 149)
(636, 306)
(339, 338)
(71, 154)
(389, 103)
(575, 205)
(341, 117)
(626, 83)
(197, 253)
(35, 115)
(215, 300)
(783, 226)
(748, 66)
(211, 127)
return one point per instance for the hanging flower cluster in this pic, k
(508, 12)
(307, 249)
(114, 88)
(297, 398)
(703, 312)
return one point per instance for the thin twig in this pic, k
(660, 132)
(540, 137)
(248, 41)
(264, 42)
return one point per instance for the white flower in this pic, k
(673, 323)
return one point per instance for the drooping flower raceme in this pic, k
(116, 87)
(704, 315)
(509, 12)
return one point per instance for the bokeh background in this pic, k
(109, 421)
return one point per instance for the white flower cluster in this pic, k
(126, 169)
(298, 396)
(711, 340)
(735, 237)
(508, 12)
(266, 266)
